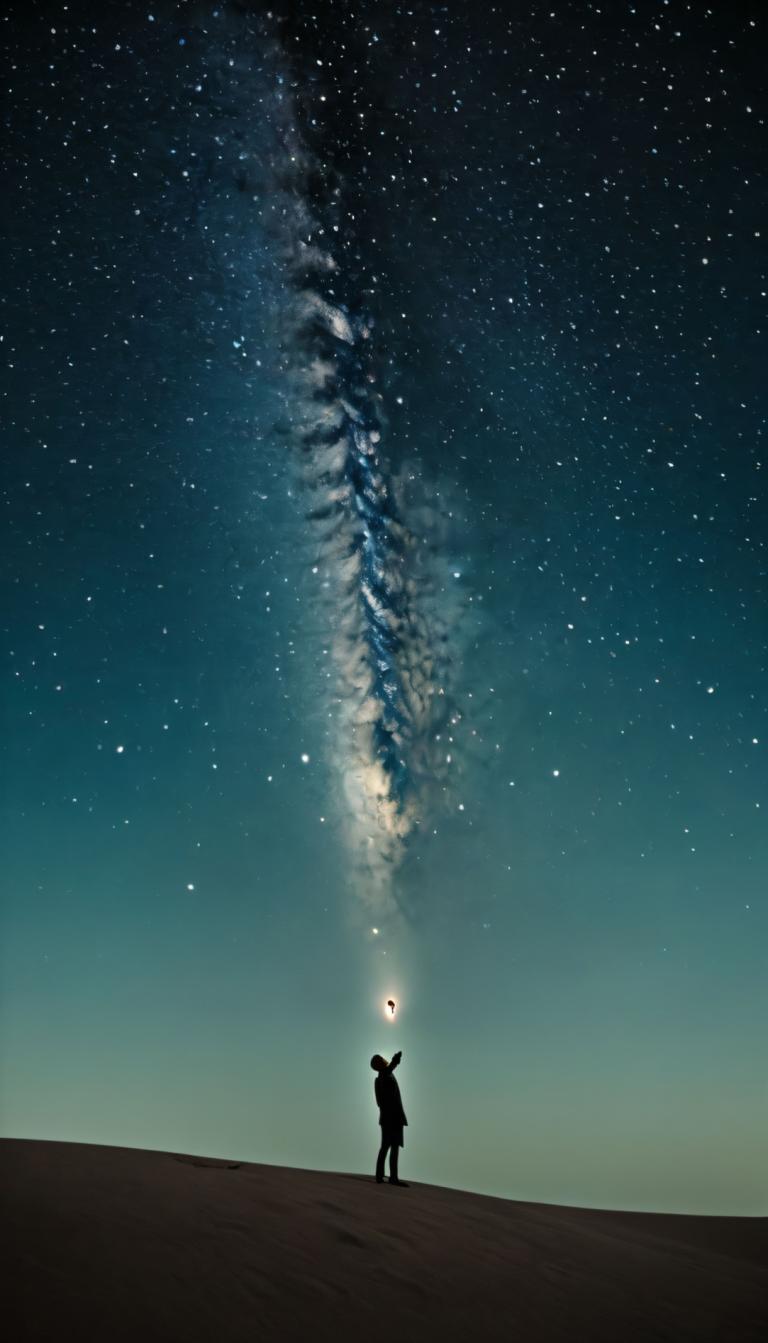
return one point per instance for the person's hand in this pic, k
(397, 1057)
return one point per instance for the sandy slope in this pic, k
(112, 1244)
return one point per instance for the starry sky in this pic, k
(551, 214)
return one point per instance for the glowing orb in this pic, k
(391, 1005)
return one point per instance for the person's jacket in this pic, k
(391, 1112)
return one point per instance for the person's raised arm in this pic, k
(395, 1060)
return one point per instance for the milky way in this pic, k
(391, 707)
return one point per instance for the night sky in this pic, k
(547, 218)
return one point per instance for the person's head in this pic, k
(377, 1063)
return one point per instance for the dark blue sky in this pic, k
(554, 223)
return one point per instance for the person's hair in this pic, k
(375, 1061)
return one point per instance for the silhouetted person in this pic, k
(391, 1116)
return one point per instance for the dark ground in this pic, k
(118, 1244)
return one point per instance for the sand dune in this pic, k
(114, 1244)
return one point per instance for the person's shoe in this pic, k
(403, 1183)
(379, 1179)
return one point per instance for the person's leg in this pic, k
(394, 1152)
(381, 1158)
